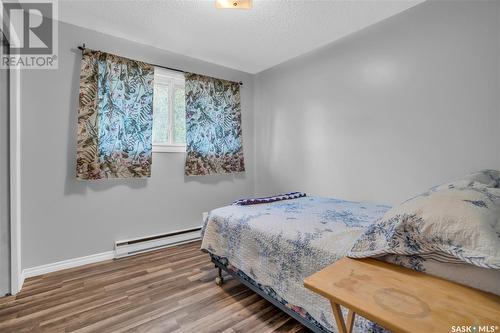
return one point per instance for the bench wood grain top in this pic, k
(403, 300)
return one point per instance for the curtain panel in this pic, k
(115, 117)
(213, 126)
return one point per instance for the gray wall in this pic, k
(386, 112)
(65, 218)
(4, 184)
(379, 116)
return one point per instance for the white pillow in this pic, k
(456, 222)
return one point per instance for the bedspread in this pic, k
(279, 244)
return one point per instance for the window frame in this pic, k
(172, 79)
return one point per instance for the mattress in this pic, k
(473, 276)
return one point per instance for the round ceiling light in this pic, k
(233, 4)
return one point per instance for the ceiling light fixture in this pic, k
(233, 4)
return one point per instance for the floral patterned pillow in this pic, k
(459, 222)
(490, 178)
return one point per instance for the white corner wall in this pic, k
(5, 286)
(387, 112)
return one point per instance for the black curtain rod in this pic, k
(82, 48)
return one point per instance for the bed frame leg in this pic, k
(219, 280)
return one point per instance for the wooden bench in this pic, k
(403, 300)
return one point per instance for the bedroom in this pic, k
(365, 113)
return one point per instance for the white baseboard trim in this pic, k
(90, 259)
(69, 263)
(108, 255)
(20, 282)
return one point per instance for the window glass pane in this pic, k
(160, 114)
(179, 116)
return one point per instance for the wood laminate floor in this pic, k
(169, 290)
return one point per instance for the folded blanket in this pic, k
(255, 201)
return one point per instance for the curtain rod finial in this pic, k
(82, 48)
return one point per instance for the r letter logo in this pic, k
(29, 33)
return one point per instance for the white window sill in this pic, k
(169, 148)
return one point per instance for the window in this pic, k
(169, 112)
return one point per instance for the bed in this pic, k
(272, 247)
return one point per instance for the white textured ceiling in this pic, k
(247, 40)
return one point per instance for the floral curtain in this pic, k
(115, 117)
(213, 126)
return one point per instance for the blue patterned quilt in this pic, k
(279, 244)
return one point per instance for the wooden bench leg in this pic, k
(350, 320)
(339, 319)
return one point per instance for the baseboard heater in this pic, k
(139, 245)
